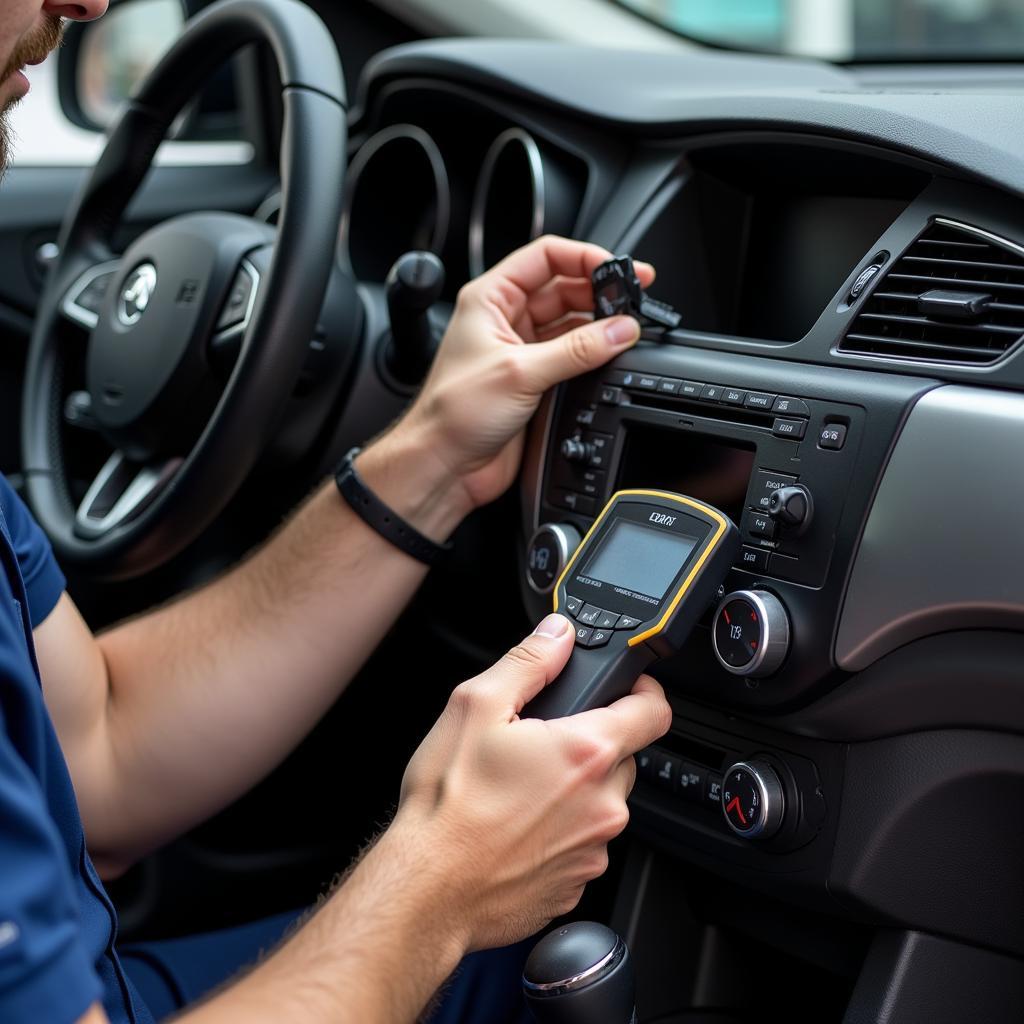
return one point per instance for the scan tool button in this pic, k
(590, 614)
(627, 622)
(573, 604)
(583, 635)
(607, 620)
(599, 637)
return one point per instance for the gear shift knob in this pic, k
(580, 974)
(414, 284)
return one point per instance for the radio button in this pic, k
(712, 393)
(573, 604)
(571, 500)
(669, 386)
(766, 483)
(585, 417)
(627, 622)
(607, 620)
(759, 400)
(590, 614)
(753, 559)
(756, 524)
(598, 638)
(790, 406)
(645, 382)
(733, 396)
(793, 429)
(691, 389)
(600, 449)
(832, 437)
(610, 395)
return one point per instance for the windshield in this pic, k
(850, 30)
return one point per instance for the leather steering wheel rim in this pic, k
(312, 163)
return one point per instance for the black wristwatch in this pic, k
(391, 526)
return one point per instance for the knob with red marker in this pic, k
(752, 799)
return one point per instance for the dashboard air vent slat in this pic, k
(898, 320)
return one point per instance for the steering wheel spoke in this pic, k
(121, 490)
(82, 301)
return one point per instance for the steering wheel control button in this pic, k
(733, 396)
(759, 400)
(752, 799)
(548, 553)
(766, 483)
(691, 389)
(792, 508)
(573, 605)
(784, 406)
(607, 620)
(598, 638)
(627, 622)
(750, 633)
(590, 614)
(832, 437)
(793, 429)
(691, 781)
(759, 524)
(753, 559)
(237, 304)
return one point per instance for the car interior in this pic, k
(843, 241)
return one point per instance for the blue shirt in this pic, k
(57, 924)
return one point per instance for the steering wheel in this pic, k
(185, 290)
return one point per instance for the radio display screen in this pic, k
(639, 558)
(706, 468)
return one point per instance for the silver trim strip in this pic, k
(942, 548)
(69, 305)
(483, 186)
(132, 500)
(365, 154)
(610, 960)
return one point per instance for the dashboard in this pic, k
(848, 259)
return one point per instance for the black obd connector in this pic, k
(617, 291)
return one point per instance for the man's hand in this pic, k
(517, 813)
(518, 330)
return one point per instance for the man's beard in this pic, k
(31, 48)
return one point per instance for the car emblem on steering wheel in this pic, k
(138, 290)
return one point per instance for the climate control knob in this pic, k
(752, 799)
(792, 508)
(548, 553)
(751, 633)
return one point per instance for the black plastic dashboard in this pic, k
(809, 227)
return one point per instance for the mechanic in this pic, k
(166, 719)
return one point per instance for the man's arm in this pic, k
(501, 824)
(169, 717)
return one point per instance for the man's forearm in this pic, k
(210, 693)
(375, 951)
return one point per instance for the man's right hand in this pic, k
(515, 815)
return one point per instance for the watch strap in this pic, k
(384, 520)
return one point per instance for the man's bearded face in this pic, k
(31, 48)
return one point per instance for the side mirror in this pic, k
(102, 61)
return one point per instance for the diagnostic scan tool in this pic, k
(649, 568)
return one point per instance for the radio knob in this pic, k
(548, 553)
(792, 508)
(752, 799)
(750, 633)
(575, 450)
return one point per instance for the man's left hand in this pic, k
(518, 330)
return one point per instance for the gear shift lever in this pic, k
(580, 974)
(414, 283)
